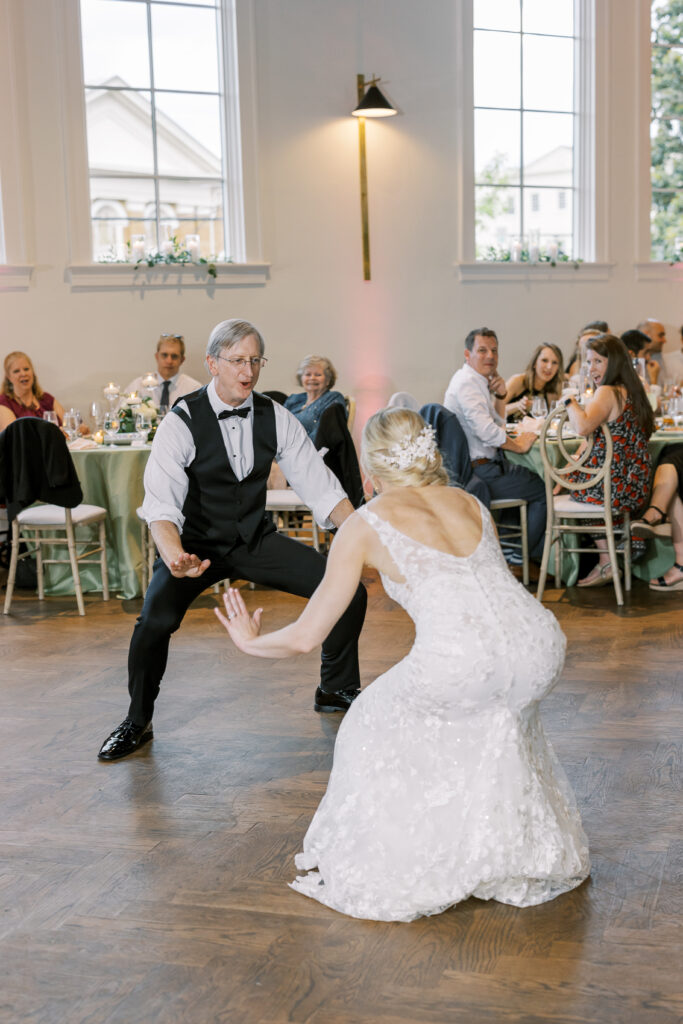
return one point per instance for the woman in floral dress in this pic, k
(621, 402)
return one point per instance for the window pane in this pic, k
(496, 146)
(178, 65)
(548, 148)
(115, 43)
(189, 200)
(203, 3)
(666, 134)
(555, 16)
(188, 134)
(119, 127)
(497, 218)
(211, 239)
(500, 14)
(545, 221)
(548, 73)
(118, 207)
(496, 70)
(666, 224)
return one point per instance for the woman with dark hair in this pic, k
(621, 402)
(317, 376)
(21, 393)
(542, 378)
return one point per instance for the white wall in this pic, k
(403, 329)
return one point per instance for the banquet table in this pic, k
(111, 476)
(659, 554)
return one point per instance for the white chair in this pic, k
(294, 517)
(29, 527)
(566, 517)
(516, 537)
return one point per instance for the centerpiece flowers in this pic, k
(135, 405)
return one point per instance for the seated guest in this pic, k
(673, 364)
(171, 383)
(620, 401)
(22, 395)
(542, 378)
(476, 394)
(317, 376)
(656, 332)
(578, 356)
(637, 344)
(666, 502)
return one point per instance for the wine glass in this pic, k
(72, 421)
(97, 413)
(50, 416)
(538, 407)
(141, 426)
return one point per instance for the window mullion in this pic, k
(153, 104)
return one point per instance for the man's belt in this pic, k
(480, 462)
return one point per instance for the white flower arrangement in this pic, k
(133, 404)
(407, 452)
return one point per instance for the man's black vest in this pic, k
(221, 511)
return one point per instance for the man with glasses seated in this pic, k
(205, 495)
(171, 383)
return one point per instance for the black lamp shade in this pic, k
(374, 104)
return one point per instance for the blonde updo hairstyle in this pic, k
(328, 369)
(388, 429)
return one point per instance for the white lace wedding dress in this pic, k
(443, 784)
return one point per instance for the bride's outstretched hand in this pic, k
(241, 626)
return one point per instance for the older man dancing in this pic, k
(205, 493)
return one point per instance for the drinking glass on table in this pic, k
(97, 413)
(72, 421)
(50, 416)
(539, 407)
(142, 426)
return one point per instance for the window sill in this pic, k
(14, 279)
(659, 271)
(533, 272)
(165, 275)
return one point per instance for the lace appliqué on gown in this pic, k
(443, 784)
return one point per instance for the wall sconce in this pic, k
(370, 104)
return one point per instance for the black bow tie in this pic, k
(233, 412)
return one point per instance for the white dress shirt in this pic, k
(673, 367)
(181, 385)
(166, 482)
(468, 396)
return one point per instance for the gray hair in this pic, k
(329, 370)
(229, 333)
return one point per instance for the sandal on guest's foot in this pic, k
(599, 576)
(656, 527)
(661, 584)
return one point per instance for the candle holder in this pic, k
(192, 246)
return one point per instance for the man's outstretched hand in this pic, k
(188, 565)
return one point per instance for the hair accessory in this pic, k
(407, 452)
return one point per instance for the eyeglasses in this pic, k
(241, 364)
(176, 337)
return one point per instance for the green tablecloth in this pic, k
(110, 477)
(659, 555)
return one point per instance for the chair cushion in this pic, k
(565, 506)
(55, 515)
(285, 499)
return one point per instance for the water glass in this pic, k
(50, 416)
(97, 413)
(539, 407)
(141, 426)
(72, 420)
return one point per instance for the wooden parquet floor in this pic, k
(155, 889)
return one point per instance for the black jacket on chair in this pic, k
(333, 434)
(36, 465)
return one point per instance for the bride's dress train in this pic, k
(443, 784)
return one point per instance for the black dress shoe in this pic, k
(339, 701)
(125, 740)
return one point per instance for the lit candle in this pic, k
(137, 247)
(149, 380)
(134, 399)
(553, 250)
(112, 390)
(516, 252)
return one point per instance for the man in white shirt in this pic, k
(205, 493)
(476, 394)
(171, 383)
(656, 332)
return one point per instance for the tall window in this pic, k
(524, 126)
(666, 131)
(154, 90)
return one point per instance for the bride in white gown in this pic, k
(443, 784)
